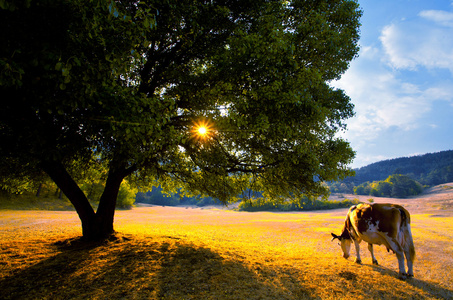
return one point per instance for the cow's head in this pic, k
(345, 243)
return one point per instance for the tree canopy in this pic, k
(126, 83)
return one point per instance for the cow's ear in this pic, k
(335, 236)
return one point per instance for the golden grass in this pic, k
(177, 253)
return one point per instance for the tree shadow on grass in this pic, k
(139, 268)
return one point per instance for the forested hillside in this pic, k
(428, 169)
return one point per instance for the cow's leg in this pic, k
(410, 271)
(370, 247)
(410, 256)
(396, 247)
(402, 270)
(357, 251)
(409, 250)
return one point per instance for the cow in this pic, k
(379, 224)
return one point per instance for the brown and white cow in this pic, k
(380, 224)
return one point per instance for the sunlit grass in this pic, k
(177, 253)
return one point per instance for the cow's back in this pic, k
(379, 218)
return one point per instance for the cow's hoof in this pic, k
(375, 263)
(358, 261)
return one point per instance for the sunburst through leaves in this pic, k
(202, 130)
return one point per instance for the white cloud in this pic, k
(385, 102)
(409, 45)
(441, 17)
(381, 100)
(440, 91)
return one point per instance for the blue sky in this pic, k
(402, 82)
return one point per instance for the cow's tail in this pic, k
(408, 242)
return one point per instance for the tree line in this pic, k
(399, 177)
(298, 204)
(158, 196)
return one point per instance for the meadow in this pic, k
(193, 253)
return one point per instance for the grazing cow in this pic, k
(380, 224)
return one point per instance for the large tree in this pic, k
(126, 83)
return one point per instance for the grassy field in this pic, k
(188, 253)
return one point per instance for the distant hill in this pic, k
(428, 169)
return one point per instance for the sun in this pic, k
(202, 130)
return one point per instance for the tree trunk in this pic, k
(95, 226)
(38, 193)
(106, 210)
(64, 181)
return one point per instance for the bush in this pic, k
(93, 191)
(304, 204)
(397, 186)
(403, 186)
(157, 196)
(126, 196)
(363, 189)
